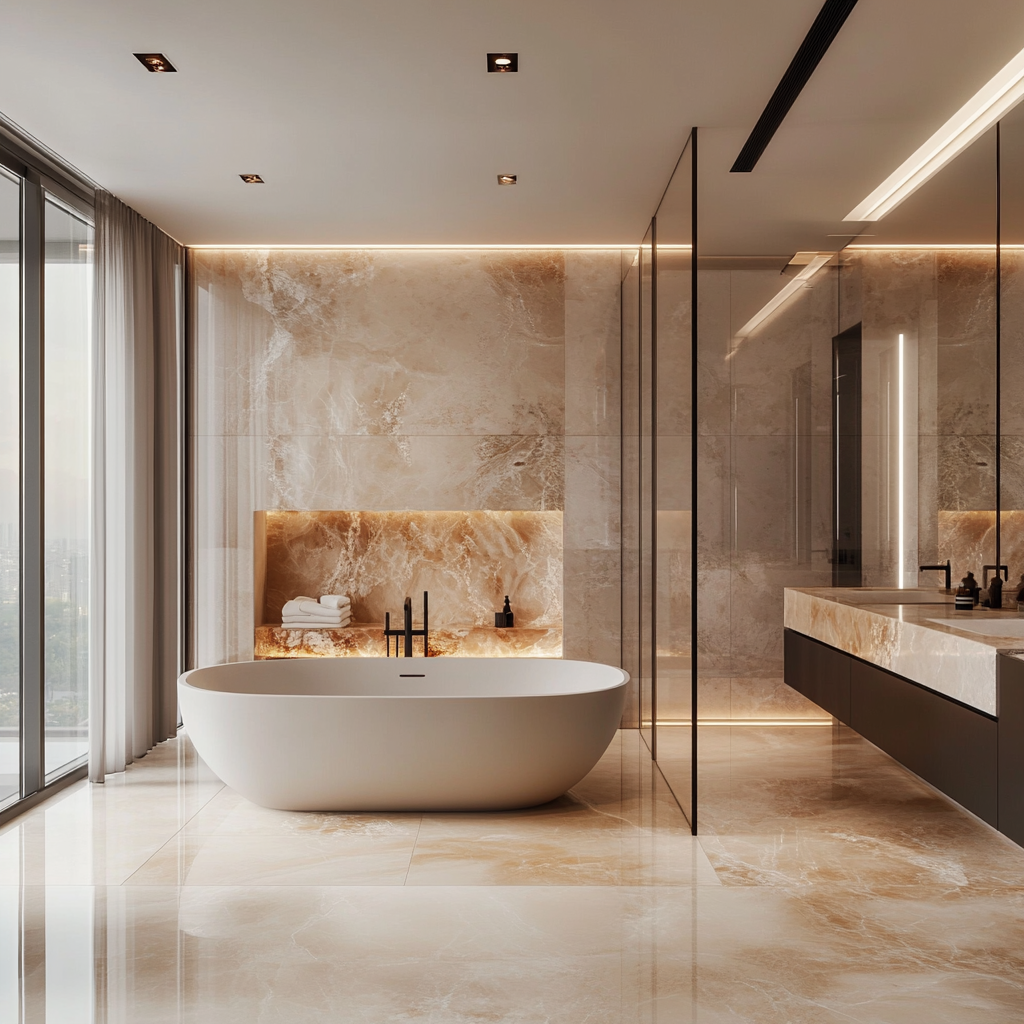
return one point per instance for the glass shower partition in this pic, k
(673, 550)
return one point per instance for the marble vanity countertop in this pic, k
(900, 636)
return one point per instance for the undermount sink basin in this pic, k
(891, 595)
(972, 623)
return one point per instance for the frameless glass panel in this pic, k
(10, 489)
(673, 389)
(631, 481)
(66, 425)
(647, 686)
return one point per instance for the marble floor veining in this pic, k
(828, 885)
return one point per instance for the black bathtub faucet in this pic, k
(407, 632)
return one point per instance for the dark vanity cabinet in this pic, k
(972, 757)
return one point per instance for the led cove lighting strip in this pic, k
(996, 98)
(791, 289)
(899, 570)
(355, 247)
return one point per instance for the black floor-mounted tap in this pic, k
(945, 568)
(407, 632)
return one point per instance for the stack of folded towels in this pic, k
(332, 611)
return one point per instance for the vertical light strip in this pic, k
(900, 400)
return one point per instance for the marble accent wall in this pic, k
(467, 561)
(385, 380)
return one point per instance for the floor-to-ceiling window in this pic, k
(67, 319)
(46, 328)
(10, 475)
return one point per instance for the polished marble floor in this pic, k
(828, 885)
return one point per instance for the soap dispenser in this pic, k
(504, 619)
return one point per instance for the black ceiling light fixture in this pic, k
(156, 62)
(502, 63)
(252, 179)
(826, 27)
(507, 179)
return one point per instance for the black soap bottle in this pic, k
(510, 619)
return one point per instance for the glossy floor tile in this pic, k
(830, 886)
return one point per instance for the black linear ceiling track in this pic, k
(826, 27)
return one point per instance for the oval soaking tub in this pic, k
(402, 734)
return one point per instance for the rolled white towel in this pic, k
(336, 601)
(309, 608)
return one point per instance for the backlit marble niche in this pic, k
(467, 561)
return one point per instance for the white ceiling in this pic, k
(376, 122)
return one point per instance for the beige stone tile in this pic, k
(905, 862)
(100, 834)
(467, 852)
(229, 814)
(341, 858)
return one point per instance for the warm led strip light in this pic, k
(632, 247)
(791, 289)
(900, 583)
(995, 99)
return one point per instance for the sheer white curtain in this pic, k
(136, 580)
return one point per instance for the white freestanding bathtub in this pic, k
(402, 734)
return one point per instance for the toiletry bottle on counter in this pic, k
(504, 619)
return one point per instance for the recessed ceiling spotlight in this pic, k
(155, 62)
(503, 62)
(252, 179)
(507, 179)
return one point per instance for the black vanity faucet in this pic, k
(985, 569)
(945, 568)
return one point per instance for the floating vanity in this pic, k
(941, 691)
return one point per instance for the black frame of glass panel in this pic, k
(651, 523)
(40, 173)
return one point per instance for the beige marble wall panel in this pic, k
(592, 613)
(1012, 342)
(468, 561)
(391, 343)
(592, 342)
(967, 329)
(714, 386)
(763, 365)
(429, 473)
(404, 380)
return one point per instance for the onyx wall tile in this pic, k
(468, 561)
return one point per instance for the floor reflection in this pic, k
(831, 885)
